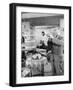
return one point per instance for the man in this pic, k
(44, 38)
(49, 44)
(43, 41)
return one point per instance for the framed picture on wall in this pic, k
(40, 44)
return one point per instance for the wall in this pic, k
(61, 22)
(42, 21)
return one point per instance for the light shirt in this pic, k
(45, 39)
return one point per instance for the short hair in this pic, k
(43, 32)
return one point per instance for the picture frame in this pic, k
(38, 16)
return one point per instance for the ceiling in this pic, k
(35, 15)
